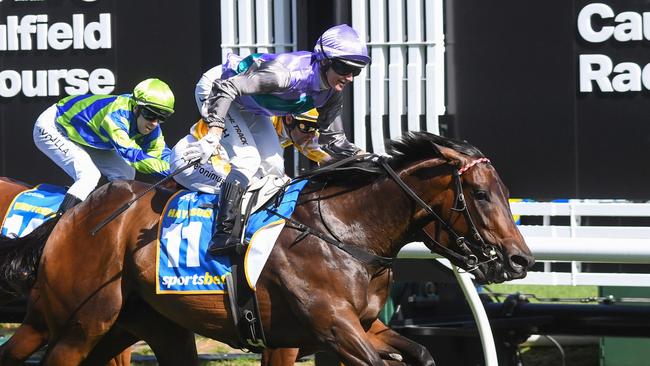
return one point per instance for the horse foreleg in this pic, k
(29, 337)
(346, 337)
(116, 342)
(279, 356)
(172, 344)
(26, 340)
(395, 347)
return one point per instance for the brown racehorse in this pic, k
(34, 334)
(312, 294)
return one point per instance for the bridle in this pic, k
(472, 249)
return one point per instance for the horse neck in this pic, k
(378, 216)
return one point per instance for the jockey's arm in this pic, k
(151, 157)
(258, 79)
(332, 138)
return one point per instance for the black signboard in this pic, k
(555, 93)
(52, 48)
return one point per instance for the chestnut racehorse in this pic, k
(329, 273)
(34, 334)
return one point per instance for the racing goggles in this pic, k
(151, 114)
(343, 69)
(302, 126)
(305, 127)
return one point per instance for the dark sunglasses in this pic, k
(305, 128)
(151, 115)
(343, 69)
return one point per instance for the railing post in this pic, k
(481, 318)
(576, 267)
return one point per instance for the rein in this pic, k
(356, 252)
(361, 255)
(469, 260)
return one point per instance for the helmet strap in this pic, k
(326, 61)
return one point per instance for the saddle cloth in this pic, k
(183, 264)
(31, 208)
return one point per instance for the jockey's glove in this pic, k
(201, 149)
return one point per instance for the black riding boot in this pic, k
(229, 206)
(69, 201)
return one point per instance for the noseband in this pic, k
(471, 249)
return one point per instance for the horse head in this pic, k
(463, 213)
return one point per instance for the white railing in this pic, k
(576, 243)
(250, 26)
(406, 78)
(572, 243)
(406, 43)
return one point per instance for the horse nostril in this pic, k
(519, 262)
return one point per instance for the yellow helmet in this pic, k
(156, 95)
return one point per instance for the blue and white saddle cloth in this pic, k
(183, 264)
(32, 208)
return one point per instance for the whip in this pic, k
(125, 207)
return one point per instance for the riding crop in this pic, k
(124, 207)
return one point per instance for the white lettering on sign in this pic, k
(34, 32)
(45, 83)
(19, 34)
(622, 77)
(598, 23)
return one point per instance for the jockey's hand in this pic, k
(201, 149)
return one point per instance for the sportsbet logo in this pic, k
(196, 280)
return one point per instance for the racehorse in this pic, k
(329, 273)
(34, 334)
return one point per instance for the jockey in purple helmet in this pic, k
(248, 91)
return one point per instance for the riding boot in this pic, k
(229, 206)
(69, 201)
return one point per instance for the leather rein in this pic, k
(469, 259)
(470, 249)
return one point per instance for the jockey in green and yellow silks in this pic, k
(112, 135)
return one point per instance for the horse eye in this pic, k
(481, 195)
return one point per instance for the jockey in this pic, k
(265, 85)
(300, 130)
(114, 135)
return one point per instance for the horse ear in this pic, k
(454, 157)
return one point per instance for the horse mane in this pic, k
(413, 146)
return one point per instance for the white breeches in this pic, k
(84, 164)
(236, 149)
(252, 144)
